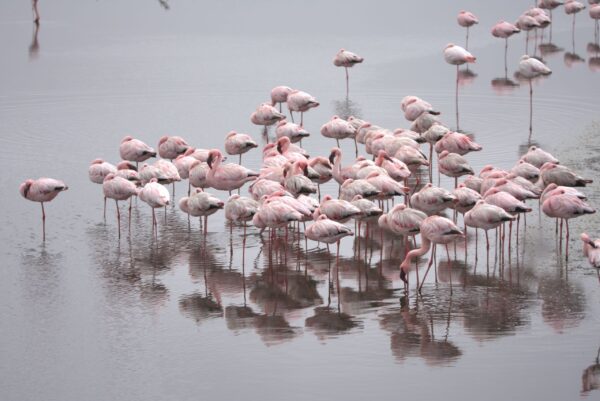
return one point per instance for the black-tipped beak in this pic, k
(306, 171)
(331, 158)
(403, 276)
(434, 112)
(209, 161)
(278, 148)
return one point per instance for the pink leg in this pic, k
(118, 217)
(567, 242)
(105, 209)
(428, 266)
(43, 222)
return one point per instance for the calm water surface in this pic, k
(86, 316)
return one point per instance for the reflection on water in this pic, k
(466, 76)
(347, 107)
(503, 85)
(34, 47)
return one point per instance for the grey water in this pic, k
(88, 316)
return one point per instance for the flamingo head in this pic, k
(283, 144)
(24, 187)
(127, 139)
(213, 156)
(335, 152)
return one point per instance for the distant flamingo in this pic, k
(169, 147)
(434, 230)
(296, 182)
(453, 165)
(240, 209)
(329, 232)
(119, 189)
(346, 59)
(553, 190)
(42, 190)
(264, 186)
(395, 168)
(565, 207)
(505, 30)
(486, 217)
(266, 115)
(134, 150)
(339, 210)
(527, 23)
(201, 204)
(530, 68)
(156, 196)
(287, 150)
(324, 168)
(467, 19)
(226, 177)
(337, 128)
(279, 95)
(455, 142)
(456, 55)
(98, 170)
(350, 188)
(238, 144)
(413, 107)
(301, 102)
(183, 163)
(551, 173)
(431, 199)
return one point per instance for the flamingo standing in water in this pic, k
(240, 209)
(226, 177)
(42, 190)
(201, 204)
(338, 128)
(98, 171)
(266, 115)
(156, 196)
(238, 144)
(467, 19)
(530, 68)
(134, 150)
(504, 30)
(169, 147)
(346, 59)
(119, 189)
(301, 102)
(591, 250)
(565, 207)
(456, 55)
(293, 131)
(279, 95)
(434, 230)
(328, 231)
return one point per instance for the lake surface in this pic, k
(86, 316)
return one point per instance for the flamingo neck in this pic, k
(415, 253)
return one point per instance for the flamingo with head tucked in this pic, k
(42, 190)
(347, 59)
(467, 19)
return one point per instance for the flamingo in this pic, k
(473, 182)
(340, 174)
(293, 154)
(395, 168)
(414, 106)
(387, 186)
(296, 182)
(301, 102)
(329, 232)
(434, 230)
(337, 128)
(456, 55)
(238, 144)
(505, 30)
(526, 170)
(279, 94)
(42, 190)
(530, 68)
(510, 204)
(128, 171)
(566, 207)
(551, 173)
(431, 199)
(266, 115)
(591, 249)
(262, 187)
(455, 142)
(198, 173)
(119, 189)
(467, 19)
(595, 15)
(134, 150)
(293, 131)
(350, 188)
(466, 198)
(226, 177)
(338, 210)
(241, 209)
(537, 157)
(347, 59)
(527, 23)
(201, 204)
(183, 163)
(553, 189)
(169, 147)
(97, 171)
(156, 196)
(453, 165)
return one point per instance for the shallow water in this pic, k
(88, 316)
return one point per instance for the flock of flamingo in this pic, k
(286, 191)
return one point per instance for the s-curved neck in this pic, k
(415, 253)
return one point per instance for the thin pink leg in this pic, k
(43, 222)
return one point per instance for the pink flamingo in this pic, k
(456, 55)
(552, 173)
(504, 30)
(432, 136)
(338, 209)
(98, 170)
(266, 115)
(510, 204)
(338, 128)
(325, 170)
(466, 198)
(553, 189)
(473, 182)
(387, 186)
(434, 230)
(201, 204)
(395, 168)
(329, 232)
(226, 177)
(293, 131)
(455, 142)
(296, 182)
(527, 23)
(300, 101)
(591, 249)
(467, 19)
(156, 196)
(340, 174)
(241, 209)
(134, 150)
(453, 165)
(350, 188)
(238, 144)
(169, 147)
(414, 106)
(595, 15)
(128, 171)
(526, 170)
(486, 217)
(264, 186)
(431, 199)
(284, 147)
(119, 189)
(530, 68)
(198, 173)
(184, 163)
(42, 190)
(279, 94)
(537, 157)
(565, 207)
(347, 59)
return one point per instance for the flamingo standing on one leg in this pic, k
(337, 128)
(301, 102)
(467, 19)
(119, 189)
(434, 230)
(329, 232)
(156, 196)
(530, 68)
(238, 144)
(42, 190)
(505, 30)
(201, 204)
(456, 55)
(347, 59)
(279, 95)
(98, 171)
(134, 150)
(240, 209)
